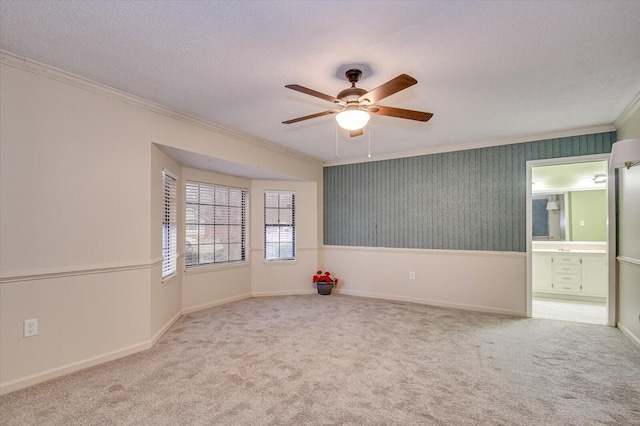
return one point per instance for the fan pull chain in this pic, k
(337, 139)
(369, 139)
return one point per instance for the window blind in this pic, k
(279, 226)
(169, 225)
(215, 224)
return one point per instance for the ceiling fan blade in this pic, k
(311, 92)
(400, 113)
(354, 133)
(392, 86)
(306, 117)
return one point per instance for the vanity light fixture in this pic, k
(553, 205)
(625, 153)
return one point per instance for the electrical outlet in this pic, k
(412, 275)
(31, 327)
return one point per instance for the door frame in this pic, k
(611, 228)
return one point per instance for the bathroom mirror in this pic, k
(569, 202)
(570, 216)
(549, 213)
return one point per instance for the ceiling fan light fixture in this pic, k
(600, 178)
(353, 118)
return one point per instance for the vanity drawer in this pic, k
(567, 287)
(567, 268)
(566, 279)
(567, 260)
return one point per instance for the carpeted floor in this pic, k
(340, 360)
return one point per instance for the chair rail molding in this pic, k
(15, 276)
(628, 261)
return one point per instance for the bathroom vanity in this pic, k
(561, 270)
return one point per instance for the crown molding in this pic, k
(57, 74)
(628, 112)
(479, 144)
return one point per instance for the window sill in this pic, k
(166, 280)
(214, 268)
(280, 261)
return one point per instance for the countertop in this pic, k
(577, 251)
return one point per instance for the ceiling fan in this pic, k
(355, 104)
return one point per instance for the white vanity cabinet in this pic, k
(542, 271)
(595, 275)
(582, 274)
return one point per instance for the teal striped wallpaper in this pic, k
(462, 200)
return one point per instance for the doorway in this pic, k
(571, 239)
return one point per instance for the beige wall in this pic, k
(629, 238)
(83, 320)
(74, 226)
(474, 280)
(75, 178)
(80, 227)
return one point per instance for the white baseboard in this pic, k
(24, 382)
(440, 303)
(635, 339)
(216, 303)
(283, 293)
(165, 328)
(558, 296)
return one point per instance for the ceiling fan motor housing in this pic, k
(351, 95)
(353, 75)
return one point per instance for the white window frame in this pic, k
(202, 217)
(284, 218)
(169, 224)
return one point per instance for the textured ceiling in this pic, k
(487, 70)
